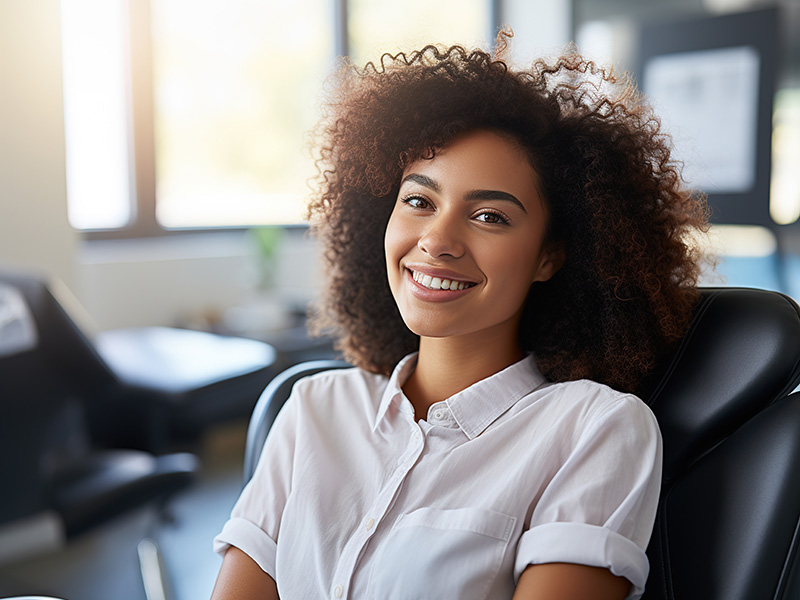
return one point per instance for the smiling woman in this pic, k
(507, 253)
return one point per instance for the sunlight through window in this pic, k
(99, 182)
(236, 85)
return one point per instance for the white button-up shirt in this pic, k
(353, 498)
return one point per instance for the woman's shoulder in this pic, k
(597, 401)
(586, 414)
(350, 378)
(339, 389)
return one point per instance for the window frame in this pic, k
(143, 222)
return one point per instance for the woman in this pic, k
(507, 255)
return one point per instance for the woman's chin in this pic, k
(430, 328)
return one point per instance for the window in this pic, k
(99, 173)
(235, 85)
(222, 94)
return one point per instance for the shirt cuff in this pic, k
(250, 539)
(583, 544)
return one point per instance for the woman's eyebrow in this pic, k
(423, 180)
(495, 195)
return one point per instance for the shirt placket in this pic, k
(374, 514)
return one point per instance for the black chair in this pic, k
(85, 425)
(145, 387)
(175, 384)
(57, 481)
(728, 523)
(728, 517)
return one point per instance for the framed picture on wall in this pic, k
(712, 82)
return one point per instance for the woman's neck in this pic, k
(445, 366)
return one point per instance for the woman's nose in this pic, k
(442, 238)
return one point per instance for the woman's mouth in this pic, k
(439, 283)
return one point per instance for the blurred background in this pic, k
(154, 158)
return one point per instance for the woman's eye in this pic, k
(416, 202)
(492, 218)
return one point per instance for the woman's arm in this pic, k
(240, 578)
(563, 581)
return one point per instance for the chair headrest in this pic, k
(741, 354)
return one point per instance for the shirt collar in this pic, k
(393, 389)
(479, 405)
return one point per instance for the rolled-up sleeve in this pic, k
(255, 520)
(599, 507)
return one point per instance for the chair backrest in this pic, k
(728, 517)
(48, 369)
(61, 339)
(741, 354)
(728, 523)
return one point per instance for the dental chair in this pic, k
(728, 522)
(85, 431)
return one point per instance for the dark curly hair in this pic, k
(616, 202)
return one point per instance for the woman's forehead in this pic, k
(480, 157)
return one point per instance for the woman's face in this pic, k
(465, 239)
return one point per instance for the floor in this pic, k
(104, 563)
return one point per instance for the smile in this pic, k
(438, 283)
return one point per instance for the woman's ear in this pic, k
(550, 262)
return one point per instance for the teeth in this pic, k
(437, 283)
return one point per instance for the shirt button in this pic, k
(369, 524)
(338, 591)
(438, 415)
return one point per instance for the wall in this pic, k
(540, 28)
(34, 232)
(189, 280)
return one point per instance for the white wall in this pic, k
(187, 280)
(34, 232)
(541, 27)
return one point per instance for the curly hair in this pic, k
(615, 199)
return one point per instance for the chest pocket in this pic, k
(443, 554)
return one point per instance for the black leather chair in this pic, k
(85, 422)
(146, 387)
(57, 481)
(728, 523)
(188, 381)
(728, 518)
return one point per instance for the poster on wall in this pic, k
(711, 81)
(708, 101)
